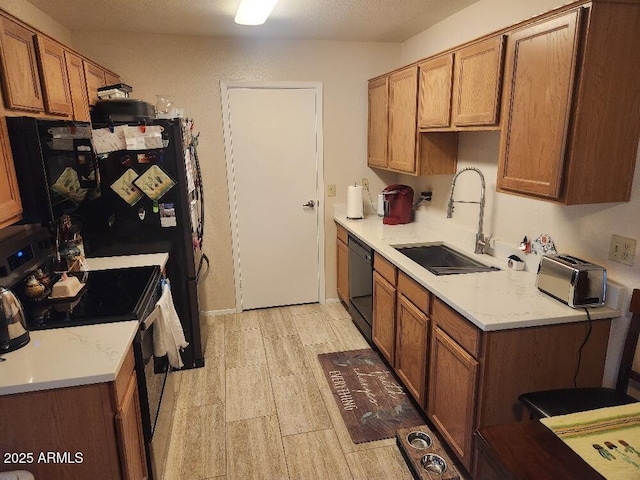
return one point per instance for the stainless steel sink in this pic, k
(442, 260)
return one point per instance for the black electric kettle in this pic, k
(13, 327)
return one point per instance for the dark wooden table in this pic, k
(527, 450)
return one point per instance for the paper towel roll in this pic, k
(354, 202)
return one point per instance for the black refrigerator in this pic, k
(146, 198)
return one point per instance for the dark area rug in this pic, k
(372, 403)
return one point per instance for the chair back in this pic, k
(626, 371)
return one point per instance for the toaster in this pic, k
(573, 281)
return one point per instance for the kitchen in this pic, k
(583, 230)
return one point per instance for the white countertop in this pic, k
(108, 263)
(491, 300)
(67, 357)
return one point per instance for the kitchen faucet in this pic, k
(481, 241)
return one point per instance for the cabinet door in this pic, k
(53, 73)
(411, 348)
(10, 204)
(540, 67)
(343, 271)
(452, 393)
(111, 79)
(130, 436)
(477, 81)
(435, 92)
(403, 88)
(378, 122)
(78, 87)
(384, 317)
(19, 68)
(94, 77)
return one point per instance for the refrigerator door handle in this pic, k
(203, 258)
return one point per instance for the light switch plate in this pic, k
(331, 190)
(622, 249)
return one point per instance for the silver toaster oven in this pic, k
(573, 281)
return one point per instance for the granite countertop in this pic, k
(492, 301)
(67, 357)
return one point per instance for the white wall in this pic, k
(584, 231)
(191, 67)
(38, 19)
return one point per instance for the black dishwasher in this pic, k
(361, 286)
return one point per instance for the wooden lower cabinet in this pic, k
(411, 347)
(452, 393)
(130, 435)
(342, 259)
(94, 431)
(384, 317)
(401, 325)
(466, 378)
(475, 376)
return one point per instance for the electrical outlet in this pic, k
(331, 190)
(622, 249)
(365, 183)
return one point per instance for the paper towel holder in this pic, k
(355, 203)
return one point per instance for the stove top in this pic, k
(108, 296)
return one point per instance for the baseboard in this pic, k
(214, 313)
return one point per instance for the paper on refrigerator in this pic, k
(124, 137)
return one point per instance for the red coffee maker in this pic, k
(398, 205)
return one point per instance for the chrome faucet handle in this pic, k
(482, 243)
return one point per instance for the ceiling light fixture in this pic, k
(254, 12)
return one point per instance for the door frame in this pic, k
(225, 87)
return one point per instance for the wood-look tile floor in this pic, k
(262, 409)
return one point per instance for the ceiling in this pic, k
(348, 20)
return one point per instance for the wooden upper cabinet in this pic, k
(477, 83)
(403, 90)
(10, 204)
(541, 62)
(53, 73)
(434, 101)
(378, 126)
(571, 114)
(77, 87)
(462, 89)
(111, 79)
(95, 78)
(19, 68)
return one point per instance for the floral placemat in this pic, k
(608, 439)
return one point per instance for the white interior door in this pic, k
(273, 160)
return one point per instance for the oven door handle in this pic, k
(152, 317)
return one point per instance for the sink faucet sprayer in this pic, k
(481, 241)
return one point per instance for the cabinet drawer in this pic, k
(414, 292)
(342, 234)
(457, 327)
(385, 268)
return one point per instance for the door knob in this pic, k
(310, 203)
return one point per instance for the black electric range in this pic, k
(115, 295)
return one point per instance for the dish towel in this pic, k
(168, 336)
